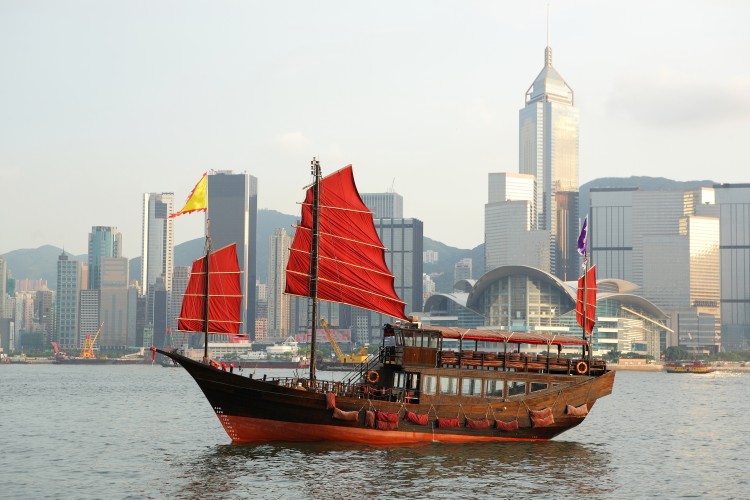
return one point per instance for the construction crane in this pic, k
(88, 344)
(358, 357)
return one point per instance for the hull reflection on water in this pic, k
(336, 470)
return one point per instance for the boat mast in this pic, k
(590, 340)
(585, 297)
(205, 292)
(315, 171)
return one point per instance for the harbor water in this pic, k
(146, 431)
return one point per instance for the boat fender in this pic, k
(582, 367)
(373, 377)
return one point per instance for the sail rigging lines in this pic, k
(221, 302)
(341, 237)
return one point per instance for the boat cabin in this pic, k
(426, 365)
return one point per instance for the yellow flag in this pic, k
(198, 199)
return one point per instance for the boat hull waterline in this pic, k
(254, 410)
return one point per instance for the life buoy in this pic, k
(373, 377)
(582, 367)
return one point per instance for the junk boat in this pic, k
(416, 388)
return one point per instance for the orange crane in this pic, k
(358, 357)
(88, 344)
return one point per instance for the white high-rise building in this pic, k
(462, 270)
(548, 150)
(157, 256)
(384, 205)
(71, 279)
(509, 235)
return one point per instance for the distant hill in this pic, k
(441, 271)
(42, 262)
(37, 263)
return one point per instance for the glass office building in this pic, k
(548, 150)
(233, 211)
(734, 205)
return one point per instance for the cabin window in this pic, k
(516, 388)
(449, 385)
(398, 380)
(433, 339)
(428, 384)
(494, 388)
(412, 381)
(409, 340)
(471, 386)
(537, 386)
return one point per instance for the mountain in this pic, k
(37, 263)
(441, 271)
(42, 262)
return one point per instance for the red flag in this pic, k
(590, 300)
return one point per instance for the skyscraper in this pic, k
(157, 256)
(70, 277)
(233, 212)
(462, 270)
(403, 240)
(667, 243)
(3, 290)
(104, 241)
(113, 302)
(548, 150)
(384, 205)
(278, 303)
(509, 235)
(734, 205)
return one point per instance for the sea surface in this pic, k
(131, 432)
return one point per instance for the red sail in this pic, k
(590, 287)
(351, 264)
(224, 295)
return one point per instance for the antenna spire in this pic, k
(547, 49)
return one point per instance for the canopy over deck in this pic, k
(451, 332)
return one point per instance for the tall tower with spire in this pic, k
(548, 150)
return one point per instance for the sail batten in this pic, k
(224, 295)
(341, 237)
(351, 262)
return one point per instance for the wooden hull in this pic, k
(252, 410)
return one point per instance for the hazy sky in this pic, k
(102, 101)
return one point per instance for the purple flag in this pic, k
(583, 238)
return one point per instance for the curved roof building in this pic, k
(521, 298)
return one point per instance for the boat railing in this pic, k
(340, 388)
(358, 375)
(521, 362)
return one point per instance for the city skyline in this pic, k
(149, 97)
